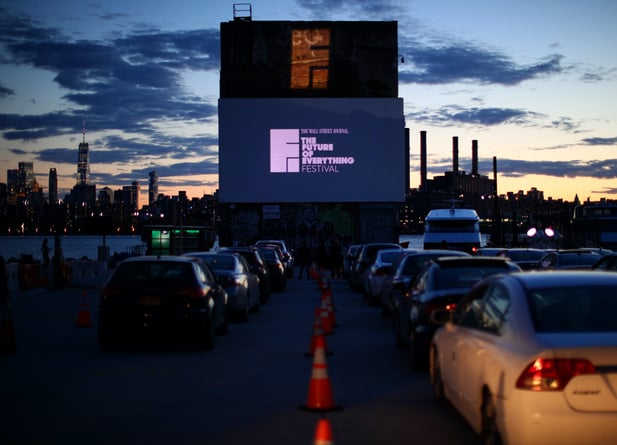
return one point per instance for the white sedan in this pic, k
(531, 358)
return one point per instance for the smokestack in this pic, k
(455, 154)
(474, 157)
(423, 160)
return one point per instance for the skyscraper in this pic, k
(53, 186)
(83, 167)
(26, 177)
(131, 195)
(153, 187)
(12, 180)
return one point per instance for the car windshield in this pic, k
(142, 271)
(221, 262)
(390, 257)
(525, 255)
(464, 277)
(269, 254)
(578, 259)
(574, 309)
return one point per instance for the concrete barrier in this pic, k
(29, 276)
(78, 274)
(86, 274)
(12, 274)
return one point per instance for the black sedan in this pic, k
(440, 285)
(161, 297)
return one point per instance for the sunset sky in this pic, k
(535, 82)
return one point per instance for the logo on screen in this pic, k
(285, 151)
(304, 151)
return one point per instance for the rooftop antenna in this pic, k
(83, 129)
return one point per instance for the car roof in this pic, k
(439, 252)
(473, 261)
(146, 258)
(562, 278)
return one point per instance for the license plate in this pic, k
(149, 301)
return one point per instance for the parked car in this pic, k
(162, 297)
(234, 274)
(607, 263)
(349, 258)
(396, 295)
(257, 265)
(568, 259)
(530, 358)
(354, 277)
(440, 285)
(288, 255)
(378, 271)
(276, 266)
(525, 258)
(366, 258)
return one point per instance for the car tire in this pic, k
(413, 354)
(436, 378)
(205, 334)
(398, 340)
(257, 306)
(489, 435)
(243, 314)
(224, 328)
(105, 339)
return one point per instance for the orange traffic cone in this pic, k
(318, 335)
(326, 323)
(320, 396)
(8, 345)
(313, 272)
(83, 317)
(323, 433)
(327, 300)
(324, 285)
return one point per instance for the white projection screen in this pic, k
(292, 150)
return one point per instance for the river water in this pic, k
(77, 247)
(73, 246)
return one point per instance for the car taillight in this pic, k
(192, 292)
(552, 374)
(110, 292)
(430, 307)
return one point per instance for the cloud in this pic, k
(122, 84)
(465, 62)
(602, 169)
(516, 168)
(600, 141)
(5, 92)
(489, 116)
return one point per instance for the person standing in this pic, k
(45, 252)
(304, 259)
(4, 286)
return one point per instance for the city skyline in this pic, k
(530, 82)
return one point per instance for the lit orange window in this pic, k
(310, 58)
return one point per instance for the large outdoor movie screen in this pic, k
(312, 150)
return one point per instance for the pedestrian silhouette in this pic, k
(45, 251)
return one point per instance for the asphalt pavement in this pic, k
(58, 388)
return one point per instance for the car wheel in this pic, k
(489, 434)
(224, 328)
(416, 360)
(105, 340)
(396, 325)
(243, 314)
(205, 334)
(436, 379)
(257, 306)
